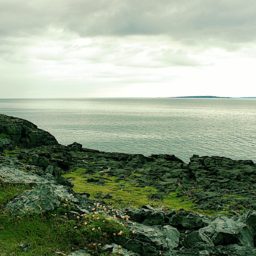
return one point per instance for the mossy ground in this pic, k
(124, 193)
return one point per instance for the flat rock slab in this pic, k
(79, 253)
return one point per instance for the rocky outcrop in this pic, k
(151, 240)
(222, 231)
(18, 132)
(182, 220)
(224, 236)
(214, 185)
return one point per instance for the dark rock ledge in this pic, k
(222, 219)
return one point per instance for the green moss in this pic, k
(124, 193)
(234, 203)
(175, 202)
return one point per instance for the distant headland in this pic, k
(209, 97)
(201, 97)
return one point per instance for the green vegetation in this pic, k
(101, 229)
(234, 203)
(9, 191)
(52, 234)
(123, 193)
(37, 235)
(233, 197)
(30, 235)
(3, 136)
(11, 153)
(175, 202)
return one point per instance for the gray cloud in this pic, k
(191, 21)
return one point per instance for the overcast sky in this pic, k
(127, 48)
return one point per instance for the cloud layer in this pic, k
(194, 20)
(111, 47)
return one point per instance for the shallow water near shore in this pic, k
(224, 127)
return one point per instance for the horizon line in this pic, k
(134, 97)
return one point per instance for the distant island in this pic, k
(209, 97)
(201, 97)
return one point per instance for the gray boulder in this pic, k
(222, 231)
(149, 240)
(118, 250)
(250, 220)
(147, 215)
(42, 198)
(187, 220)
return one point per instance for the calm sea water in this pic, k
(225, 127)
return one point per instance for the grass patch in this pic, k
(57, 235)
(37, 236)
(9, 191)
(11, 153)
(52, 234)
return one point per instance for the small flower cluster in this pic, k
(101, 227)
(104, 209)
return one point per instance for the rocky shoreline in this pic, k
(122, 204)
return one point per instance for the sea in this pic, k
(183, 127)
